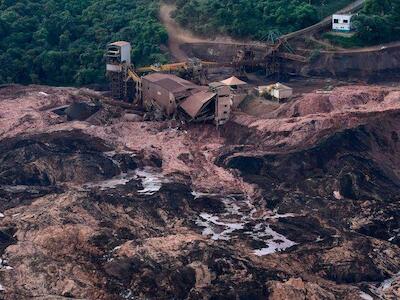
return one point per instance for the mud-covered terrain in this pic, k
(301, 203)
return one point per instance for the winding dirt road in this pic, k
(179, 36)
(356, 5)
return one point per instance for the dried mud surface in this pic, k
(302, 203)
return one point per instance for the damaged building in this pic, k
(167, 95)
(171, 96)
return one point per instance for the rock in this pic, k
(132, 118)
(296, 288)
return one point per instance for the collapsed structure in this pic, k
(167, 95)
(175, 97)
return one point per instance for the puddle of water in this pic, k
(280, 216)
(121, 179)
(385, 285)
(150, 178)
(151, 181)
(113, 153)
(276, 242)
(209, 222)
(237, 216)
(197, 195)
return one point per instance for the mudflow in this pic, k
(300, 203)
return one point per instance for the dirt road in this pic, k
(356, 5)
(179, 36)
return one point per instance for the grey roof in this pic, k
(194, 104)
(171, 82)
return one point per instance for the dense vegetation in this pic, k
(62, 42)
(378, 22)
(255, 18)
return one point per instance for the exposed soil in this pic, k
(299, 203)
(179, 36)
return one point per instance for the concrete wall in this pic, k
(126, 54)
(282, 93)
(164, 99)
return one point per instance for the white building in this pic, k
(342, 22)
(118, 53)
(277, 91)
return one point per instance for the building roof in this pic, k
(120, 44)
(342, 15)
(195, 103)
(171, 83)
(216, 84)
(233, 81)
(279, 86)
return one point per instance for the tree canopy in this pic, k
(255, 18)
(62, 42)
(378, 22)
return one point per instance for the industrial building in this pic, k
(238, 87)
(172, 96)
(342, 22)
(166, 91)
(166, 95)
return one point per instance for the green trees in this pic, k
(379, 22)
(62, 42)
(255, 18)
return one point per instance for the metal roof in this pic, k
(195, 103)
(216, 84)
(280, 86)
(171, 83)
(120, 44)
(233, 81)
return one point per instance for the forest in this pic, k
(378, 22)
(253, 19)
(62, 42)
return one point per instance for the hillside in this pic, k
(378, 22)
(252, 19)
(62, 42)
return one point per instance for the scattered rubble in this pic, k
(300, 202)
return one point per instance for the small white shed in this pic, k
(277, 91)
(342, 22)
